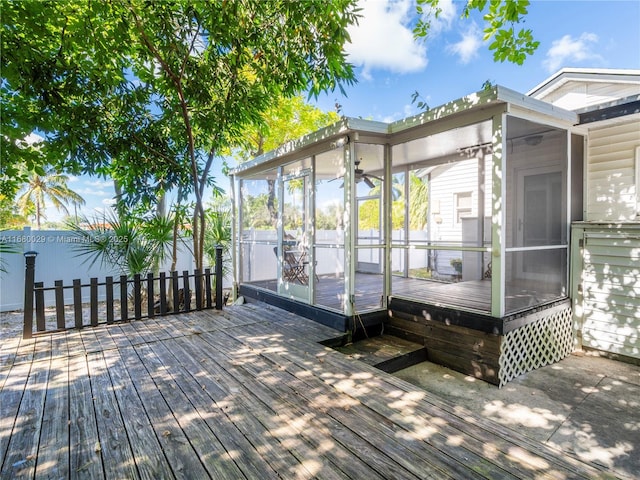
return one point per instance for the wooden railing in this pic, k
(167, 294)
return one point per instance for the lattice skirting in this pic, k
(535, 345)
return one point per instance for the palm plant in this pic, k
(130, 244)
(50, 187)
(6, 249)
(218, 232)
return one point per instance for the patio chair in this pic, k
(293, 266)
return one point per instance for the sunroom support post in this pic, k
(279, 185)
(387, 210)
(480, 233)
(235, 239)
(350, 234)
(498, 216)
(311, 231)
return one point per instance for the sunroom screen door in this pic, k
(294, 244)
(540, 220)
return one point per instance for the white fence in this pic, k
(56, 260)
(260, 262)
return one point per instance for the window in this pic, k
(462, 205)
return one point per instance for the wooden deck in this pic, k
(471, 294)
(243, 393)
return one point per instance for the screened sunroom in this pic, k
(460, 215)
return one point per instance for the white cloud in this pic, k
(91, 191)
(384, 38)
(443, 22)
(567, 49)
(33, 138)
(407, 111)
(108, 201)
(467, 48)
(100, 183)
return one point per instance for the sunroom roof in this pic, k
(461, 112)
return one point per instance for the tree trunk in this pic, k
(38, 214)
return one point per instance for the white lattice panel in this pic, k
(536, 344)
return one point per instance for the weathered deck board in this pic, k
(257, 426)
(183, 459)
(361, 415)
(149, 458)
(286, 421)
(292, 400)
(53, 451)
(84, 442)
(117, 457)
(243, 393)
(23, 447)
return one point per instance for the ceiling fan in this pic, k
(360, 176)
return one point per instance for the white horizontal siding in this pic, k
(611, 289)
(575, 95)
(611, 185)
(625, 175)
(604, 137)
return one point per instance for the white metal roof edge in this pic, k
(568, 74)
(341, 127)
(610, 103)
(497, 94)
(482, 97)
(540, 106)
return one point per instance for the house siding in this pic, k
(608, 292)
(605, 249)
(611, 181)
(446, 183)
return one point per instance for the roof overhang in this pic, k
(593, 75)
(331, 133)
(461, 112)
(610, 110)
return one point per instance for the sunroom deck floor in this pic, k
(472, 295)
(243, 393)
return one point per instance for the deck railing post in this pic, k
(60, 317)
(137, 297)
(197, 281)
(175, 290)
(163, 293)
(151, 302)
(109, 300)
(124, 289)
(218, 277)
(29, 277)
(39, 294)
(77, 303)
(207, 288)
(187, 290)
(93, 299)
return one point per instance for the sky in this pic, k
(453, 61)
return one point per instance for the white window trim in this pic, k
(456, 210)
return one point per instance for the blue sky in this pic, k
(454, 61)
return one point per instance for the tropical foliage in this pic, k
(41, 189)
(503, 20)
(9, 215)
(151, 94)
(6, 249)
(418, 203)
(132, 245)
(288, 119)
(218, 233)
